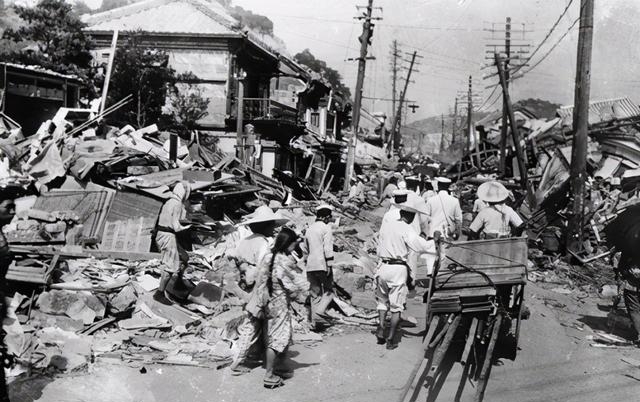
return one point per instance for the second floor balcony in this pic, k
(265, 109)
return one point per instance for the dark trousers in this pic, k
(320, 290)
(632, 301)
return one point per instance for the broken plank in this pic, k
(86, 253)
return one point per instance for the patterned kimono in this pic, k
(288, 284)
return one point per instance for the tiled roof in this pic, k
(601, 111)
(41, 70)
(170, 16)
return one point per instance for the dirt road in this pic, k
(555, 363)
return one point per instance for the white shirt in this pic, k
(252, 248)
(479, 205)
(496, 219)
(444, 213)
(428, 194)
(393, 214)
(319, 245)
(397, 238)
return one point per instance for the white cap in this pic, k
(401, 191)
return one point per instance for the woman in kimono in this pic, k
(285, 283)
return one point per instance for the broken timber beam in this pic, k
(486, 366)
(85, 253)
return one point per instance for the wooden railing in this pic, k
(267, 109)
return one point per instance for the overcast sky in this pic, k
(451, 36)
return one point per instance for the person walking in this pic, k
(497, 220)
(443, 212)
(396, 240)
(248, 254)
(284, 282)
(318, 242)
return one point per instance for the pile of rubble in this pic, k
(85, 273)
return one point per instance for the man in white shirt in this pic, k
(444, 212)
(318, 242)
(396, 241)
(497, 220)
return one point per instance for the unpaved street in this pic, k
(555, 363)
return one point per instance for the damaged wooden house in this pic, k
(264, 107)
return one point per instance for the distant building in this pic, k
(32, 94)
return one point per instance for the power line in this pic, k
(553, 47)
(487, 98)
(555, 25)
(492, 103)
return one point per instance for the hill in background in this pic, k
(426, 134)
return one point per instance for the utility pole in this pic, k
(394, 73)
(469, 112)
(503, 129)
(515, 136)
(240, 139)
(396, 117)
(514, 60)
(442, 135)
(454, 126)
(365, 40)
(580, 125)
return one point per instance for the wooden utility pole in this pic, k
(240, 145)
(396, 116)
(580, 126)
(394, 73)
(469, 116)
(454, 126)
(503, 128)
(515, 136)
(365, 40)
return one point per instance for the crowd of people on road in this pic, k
(279, 266)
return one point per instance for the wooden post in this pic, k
(486, 366)
(367, 31)
(107, 75)
(396, 117)
(173, 147)
(239, 118)
(441, 351)
(580, 126)
(324, 177)
(503, 128)
(515, 136)
(471, 336)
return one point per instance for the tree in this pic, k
(257, 22)
(81, 8)
(56, 33)
(332, 76)
(111, 4)
(186, 104)
(145, 73)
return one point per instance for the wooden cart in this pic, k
(474, 310)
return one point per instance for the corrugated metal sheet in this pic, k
(130, 223)
(601, 111)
